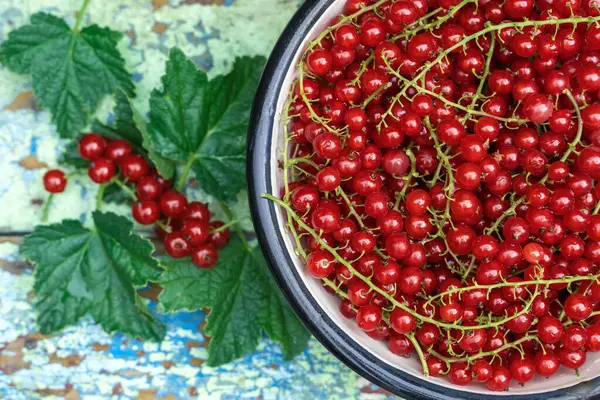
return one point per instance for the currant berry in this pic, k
(219, 234)
(145, 212)
(101, 171)
(148, 188)
(91, 146)
(176, 245)
(55, 181)
(117, 149)
(133, 167)
(196, 231)
(205, 256)
(172, 203)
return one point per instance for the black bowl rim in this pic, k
(270, 237)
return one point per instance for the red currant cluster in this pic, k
(439, 178)
(184, 226)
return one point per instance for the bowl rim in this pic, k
(270, 237)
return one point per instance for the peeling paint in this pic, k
(83, 362)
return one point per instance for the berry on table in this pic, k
(55, 181)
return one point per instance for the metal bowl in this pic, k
(315, 307)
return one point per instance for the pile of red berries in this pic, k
(184, 226)
(439, 178)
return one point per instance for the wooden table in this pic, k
(83, 361)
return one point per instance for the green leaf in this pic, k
(125, 123)
(80, 271)
(72, 70)
(243, 298)
(207, 121)
(114, 194)
(70, 156)
(282, 324)
(164, 166)
(59, 310)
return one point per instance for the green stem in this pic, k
(468, 271)
(438, 170)
(230, 224)
(353, 211)
(301, 160)
(342, 20)
(47, 204)
(540, 282)
(163, 226)
(451, 103)
(186, 171)
(364, 66)
(410, 336)
(438, 22)
(419, 350)
(80, 15)
(230, 217)
(375, 94)
(125, 188)
(564, 158)
(313, 115)
(449, 188)
(374, 288)
(100, 196)
(467, 39)
(577, 139)
(472, 357)
(596, 209)
(413, 171)
(482, 81)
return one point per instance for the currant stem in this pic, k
(596, 209)
(419, 350)
(435, 24)
(363, 68)
(343, 21)
(46, 210)
(125, 188)
(229, 224)
(468, 271)
(482, 81)
(467, 39)
(339, 191)
(413, 171)
(230, 217)
(540, 282)
(163, 226)
(382, 292)
(471, 358)
(100, 196)
(185, 172)
(564, 158)
(80, 15)
(577, 139)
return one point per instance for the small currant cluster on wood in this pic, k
(439, 167)
(185, 227)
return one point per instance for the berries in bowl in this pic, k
(424, 176)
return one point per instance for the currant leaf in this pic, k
(124, 127)
(80, 271)
(72, 70)
(285, 328)
(70, 156)
(205, 122)
(243, 299)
